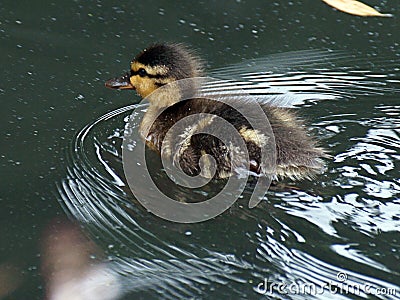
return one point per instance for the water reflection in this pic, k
(310, 232)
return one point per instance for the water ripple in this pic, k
(346, 222)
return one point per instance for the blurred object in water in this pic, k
(69, 268)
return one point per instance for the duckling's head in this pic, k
(156, 66)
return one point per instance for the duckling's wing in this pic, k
(293, 78)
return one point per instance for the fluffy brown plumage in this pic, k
(297, 153)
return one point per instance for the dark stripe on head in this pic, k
(159, 76)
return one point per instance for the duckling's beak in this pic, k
(120, 83)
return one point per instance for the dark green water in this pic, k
(55, 57)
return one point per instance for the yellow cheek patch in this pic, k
(155, 77)
(144, 86)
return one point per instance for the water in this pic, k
(61, 156)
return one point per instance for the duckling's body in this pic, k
(297, 154)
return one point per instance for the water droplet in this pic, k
(79, 97)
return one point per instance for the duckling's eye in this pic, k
(142, 72)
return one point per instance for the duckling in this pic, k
(298, 155)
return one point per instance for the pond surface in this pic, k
(61, 155)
